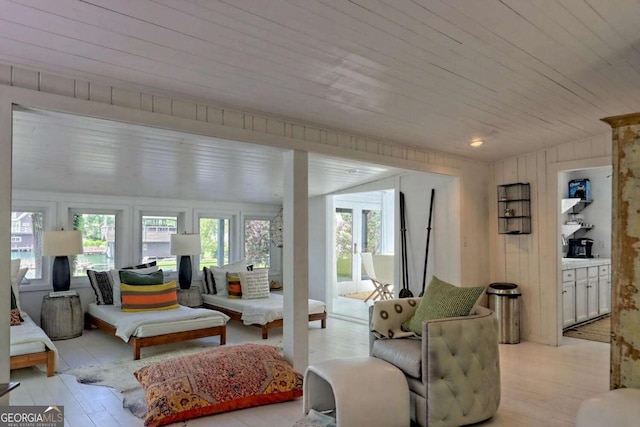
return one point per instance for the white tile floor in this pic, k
(541, 385)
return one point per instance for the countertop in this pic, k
(568, 263)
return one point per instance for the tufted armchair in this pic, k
(453, 371)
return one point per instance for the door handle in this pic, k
(355, 248)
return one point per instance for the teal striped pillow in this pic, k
(442, 300)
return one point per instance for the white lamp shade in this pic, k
(62, 243)
(185, 244)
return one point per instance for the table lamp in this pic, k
(60, 244)
(184, 245)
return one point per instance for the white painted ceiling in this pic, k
(520, 74)
(66, 153)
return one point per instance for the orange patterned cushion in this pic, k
(149, 297)
(234, 288)
(217, 380)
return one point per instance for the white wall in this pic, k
(444, 254)
(533, 261)
(317, 248)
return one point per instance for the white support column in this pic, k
(5, 234)
(295, 262)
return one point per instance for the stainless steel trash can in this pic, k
(504, 300)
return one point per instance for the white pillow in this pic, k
(17, 274)
(255, 284)
(115, 276)
(220, 275)
(15, 267)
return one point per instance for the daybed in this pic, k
(149, 328)
(265, 313)
(30, 346)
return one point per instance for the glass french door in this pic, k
(357, 229)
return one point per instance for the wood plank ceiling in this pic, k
(521, 74)
(66, 153)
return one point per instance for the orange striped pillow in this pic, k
(234, 287)
(149, 297)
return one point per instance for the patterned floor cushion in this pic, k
(217, 380)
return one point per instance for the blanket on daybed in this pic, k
(126, 323)
(259, 311)
(28, 332)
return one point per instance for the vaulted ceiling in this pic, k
(520, 74)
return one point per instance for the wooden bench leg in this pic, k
(50, 363)
(265, 332)
(136, 348)
(223, 336)
(323, 323)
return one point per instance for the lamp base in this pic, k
(61, 274)
(184, 272)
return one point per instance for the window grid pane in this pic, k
(156, 240)
(257, 242)
(26, 241)
(98, 240)
(214, 240)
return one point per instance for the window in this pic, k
(26, 241)
(371, 230)
(156, 240)
(98, 240)
(257, 242)
(214, 238)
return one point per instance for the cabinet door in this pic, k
(592, 297)
(604, 294)
(568, 303)
(581, 300)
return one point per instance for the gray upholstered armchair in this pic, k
(453, 371)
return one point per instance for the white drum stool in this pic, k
(619, 408)
(364, 391)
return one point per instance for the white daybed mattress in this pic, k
(153, 323)
(29, 338)
(258, 311)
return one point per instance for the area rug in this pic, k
(599, 330)
(357, 295)
(119, 376)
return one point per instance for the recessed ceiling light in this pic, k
(354, 170)
(476, 143)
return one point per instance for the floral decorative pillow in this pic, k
(215, 381)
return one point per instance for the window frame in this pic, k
(260, 217)
(80, 210)
(49, 211)
(181, 227)
(230, 232)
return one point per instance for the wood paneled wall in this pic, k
(532, 261)
(201, 118)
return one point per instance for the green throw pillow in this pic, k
(130, 277)
(442, 300)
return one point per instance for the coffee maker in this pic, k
(580, 248)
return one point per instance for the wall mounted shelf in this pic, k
(514, 209)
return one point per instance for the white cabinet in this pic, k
(604, 289)
(568, 303)
(586, 293)
(582, 313)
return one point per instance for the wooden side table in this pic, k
(61, 317)
(190, 297)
